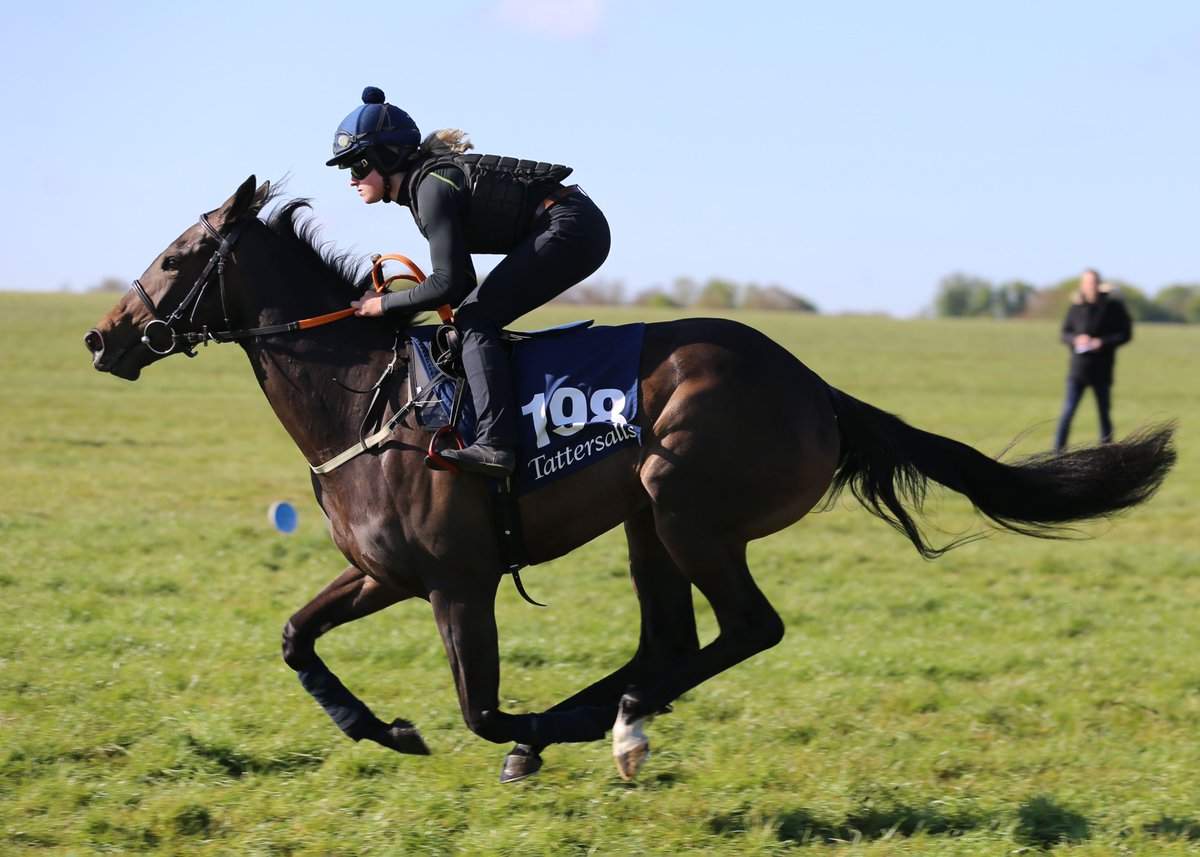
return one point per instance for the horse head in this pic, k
(171, 307)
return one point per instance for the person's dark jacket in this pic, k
(1105, 319)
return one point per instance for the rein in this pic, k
(190, 339)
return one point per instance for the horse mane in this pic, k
(292, 223)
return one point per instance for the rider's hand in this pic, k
(369, 304)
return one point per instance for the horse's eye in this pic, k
(171, 263)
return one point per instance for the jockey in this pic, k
(552, 236)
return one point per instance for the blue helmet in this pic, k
(378, 132)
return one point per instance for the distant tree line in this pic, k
(684, 292)
(958, 296)
(964, 296)
(715, 293)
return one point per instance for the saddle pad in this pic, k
(576, 395)
(434, 404)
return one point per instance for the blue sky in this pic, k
(854, 153)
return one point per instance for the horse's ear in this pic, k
(239, 205)
(260, 197)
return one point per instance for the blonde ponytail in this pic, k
(448, 141)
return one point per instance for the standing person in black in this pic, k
(1095, 326)
(552, 236)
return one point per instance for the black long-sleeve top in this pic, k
(442, 201)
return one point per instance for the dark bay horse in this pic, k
(688, 497)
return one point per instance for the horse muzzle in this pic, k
(105, 359)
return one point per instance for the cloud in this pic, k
(565, 19)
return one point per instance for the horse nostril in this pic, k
(94, 341)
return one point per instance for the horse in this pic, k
(688, 497)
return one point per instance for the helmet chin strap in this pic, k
(401, 169)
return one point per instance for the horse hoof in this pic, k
(630, 751)
(402, 737)
(631, 747)
(519, 765)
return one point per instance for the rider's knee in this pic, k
(475, 316)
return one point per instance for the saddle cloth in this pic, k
(576, 394)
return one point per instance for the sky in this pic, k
(854, 153)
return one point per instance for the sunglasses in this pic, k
(359, 170)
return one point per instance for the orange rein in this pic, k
(381, 285)
(317, 321)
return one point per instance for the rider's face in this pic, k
(370, 188)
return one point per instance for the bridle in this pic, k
(191, 339)
(187, 341)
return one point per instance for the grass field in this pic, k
(1015, 696)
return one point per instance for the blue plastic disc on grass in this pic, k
(283, 517)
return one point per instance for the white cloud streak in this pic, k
(570, 20)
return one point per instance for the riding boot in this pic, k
(494, 451)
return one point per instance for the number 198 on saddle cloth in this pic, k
(577, 395)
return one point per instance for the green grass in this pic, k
(1015, 696)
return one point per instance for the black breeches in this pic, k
(570, 243)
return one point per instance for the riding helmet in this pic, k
(378, 132)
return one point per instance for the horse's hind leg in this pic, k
(747, 625)
(668, 634)
(351, 596)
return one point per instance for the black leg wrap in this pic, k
(562, 727)
(349, 713)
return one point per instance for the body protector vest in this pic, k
(504, 193)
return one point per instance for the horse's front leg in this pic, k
(351, 596)
(466, 618)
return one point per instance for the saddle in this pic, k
(446, 346)
(445, 406)
(442, 411)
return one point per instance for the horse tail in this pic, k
(887, 465)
